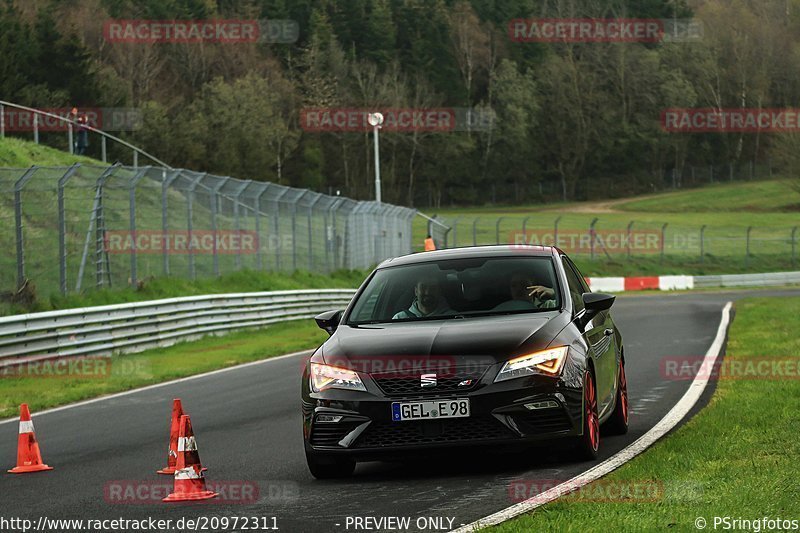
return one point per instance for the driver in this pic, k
(428, 300)
(527, 294)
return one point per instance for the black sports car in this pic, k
(464, 347)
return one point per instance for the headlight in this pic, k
(548, 362)
(332, 377)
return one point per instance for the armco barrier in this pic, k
(668, 283)
(133, 327)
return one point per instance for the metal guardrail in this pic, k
(73, 126)
(134, 327)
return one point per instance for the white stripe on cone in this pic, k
(187, 444)
(188, 473)
(25, 426)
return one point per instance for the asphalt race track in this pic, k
(247, 423)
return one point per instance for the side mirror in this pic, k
(329, 320)
(594, 303)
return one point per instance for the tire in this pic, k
(617, 424)
(588, 444)
(329, 468)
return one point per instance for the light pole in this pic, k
(375, 120)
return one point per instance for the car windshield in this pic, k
(458, 288)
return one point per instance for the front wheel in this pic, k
(618, 422)
(588, 444)
(329, 467)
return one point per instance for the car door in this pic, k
(600, 338)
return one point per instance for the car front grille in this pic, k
(390, 434)
(402, 384)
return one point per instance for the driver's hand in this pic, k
(541, 292)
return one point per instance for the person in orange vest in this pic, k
(429, 244)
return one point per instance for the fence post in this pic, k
(165, 184)
(475, 231)
(18, 185)
(236, 196)
(62, 228)
(555, 231)
(259, 258)
(591, 236)
(330, 233)
(132, 219)
(135, 159)
(189, 223)
(36, 128)
(294, 235)
(628, 234)
(214, 198)
(455, 232)
(2, 121)
(525, 225)
(277, 228)
(663, 240)
(794, 246)
(311, 233)
(747, 249)
(69, 139)
(497, 229)
(702, 243)
(103, 155)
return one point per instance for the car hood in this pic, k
(490, 338)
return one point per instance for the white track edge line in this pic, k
(670, 420)
(157, 385)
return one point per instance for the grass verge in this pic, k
(125, 372)
(155, 288)
(736, 458)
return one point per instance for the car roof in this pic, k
(503, 250)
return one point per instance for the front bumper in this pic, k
(498, 417)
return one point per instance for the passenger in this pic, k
(527, 294)
(428, 301)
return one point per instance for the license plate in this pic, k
(427, 410)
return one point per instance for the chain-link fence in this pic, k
(82, 227)
(619, 236)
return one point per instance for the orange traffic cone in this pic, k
(190, 482)
(175, 427)
(29, 458)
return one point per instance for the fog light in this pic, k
(329, 419)
(548, 404)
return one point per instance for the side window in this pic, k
(577, 286)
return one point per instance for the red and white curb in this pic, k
(670, 420)
(641, 283)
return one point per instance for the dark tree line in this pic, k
(566, 114)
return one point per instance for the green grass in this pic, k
(737, 457)
(756, 197)
(155, 288)
(769, 207)
(17, 153)
(130, 371)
